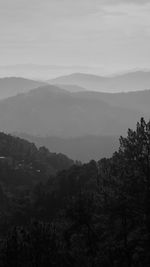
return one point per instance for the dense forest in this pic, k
(56, 213)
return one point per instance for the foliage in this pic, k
(96, 214)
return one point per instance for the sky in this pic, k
(101, 35)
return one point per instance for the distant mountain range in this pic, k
(71, 88)
(45, 72)
(78, 82)
(15, 85)
(71, 118)
(138, 100)
(49, 110)
(134, 81)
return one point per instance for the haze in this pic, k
(93, 36)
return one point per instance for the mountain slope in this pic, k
(22, 163)
(71, 88)
(13, 85)
(55, 112)
(133, 81)
(80, 148)
(138, 100)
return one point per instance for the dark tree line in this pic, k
(96, 214)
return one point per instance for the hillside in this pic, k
(22, 163)
(14, 85)
(71, 88)
(94, 214)
(133, 81)
(138, 100)
(52, 111)
(82, 148)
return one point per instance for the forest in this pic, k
(56, 212)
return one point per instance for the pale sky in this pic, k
(109, 34)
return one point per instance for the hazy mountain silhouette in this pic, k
(15, 85)
(133, 81)
(71, 88)
(138, 100)
(44, 72)
(52, 111)
(82, 148)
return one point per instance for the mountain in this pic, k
(133, 81)
(22, 163)
(13, 85)
(82, 148)
(71, 88)
(45, 72)
(52, 111)
(138, 101)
